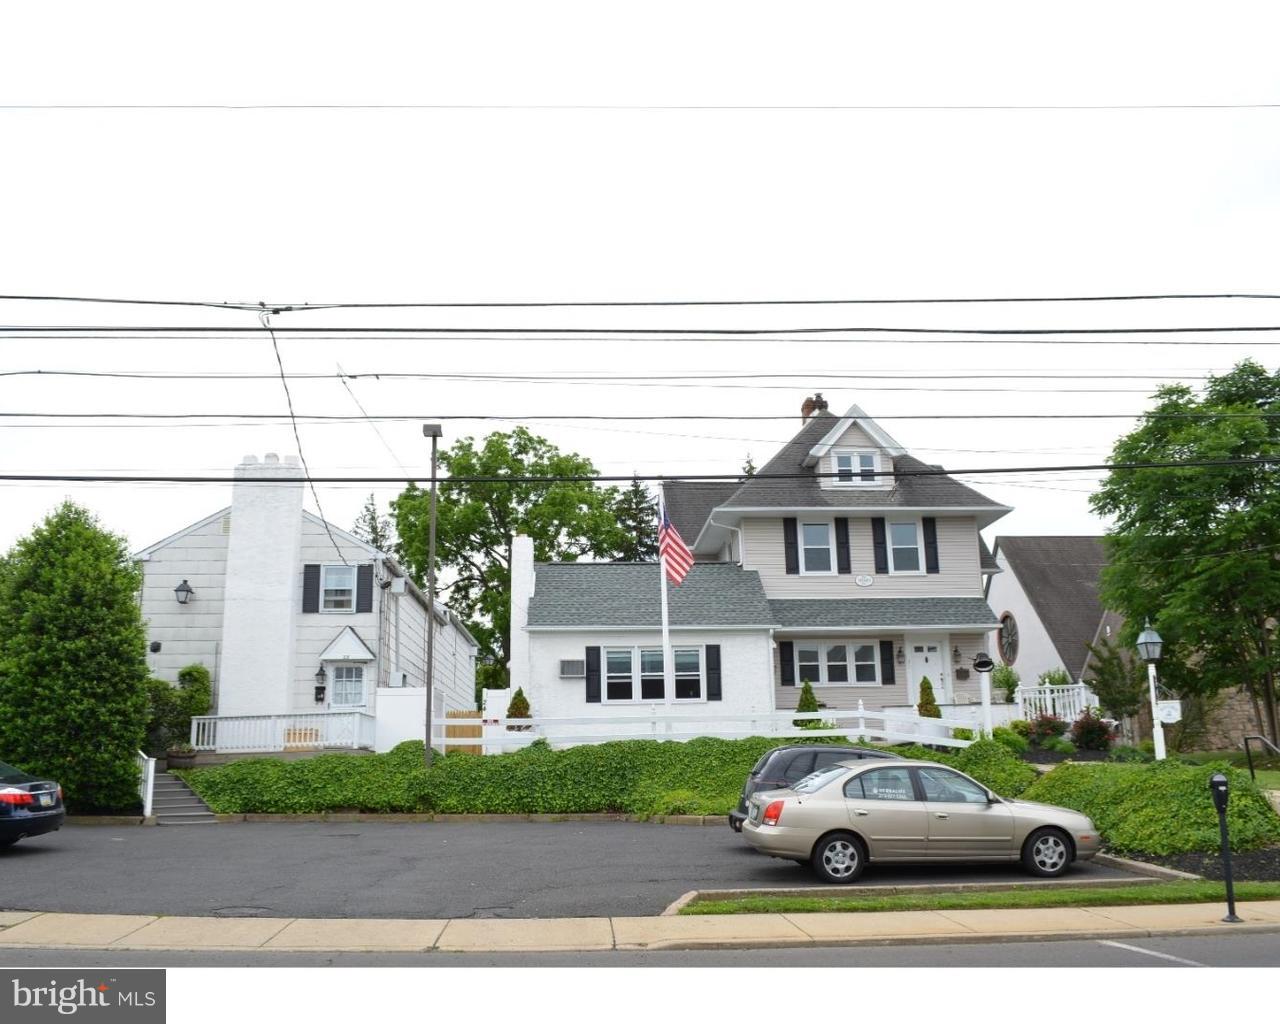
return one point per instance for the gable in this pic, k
(347, 646)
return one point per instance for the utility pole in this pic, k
(433, 431)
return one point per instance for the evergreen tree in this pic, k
(519, 708)
(749, 467)
(636, 511)
(806, 704)
(373, 528)
(1117, 678)
(928, 705)
(73, 670)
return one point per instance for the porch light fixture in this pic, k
(901, 658)
(321, 679)
(183, 592)
(955, 653)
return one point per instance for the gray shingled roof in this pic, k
(1060, 578)
(908, 492)
(603, 594)
(690, 502)
(986, 560)
(895, 612)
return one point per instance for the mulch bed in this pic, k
(1037, 756)
(1255, 866)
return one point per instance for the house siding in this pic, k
(959, 572)
(1036, 653)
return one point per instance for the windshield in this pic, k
(814, 781)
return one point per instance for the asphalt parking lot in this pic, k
(463, 869)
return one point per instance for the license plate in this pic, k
(755, 813)
(46, 799)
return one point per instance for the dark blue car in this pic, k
(29, 806)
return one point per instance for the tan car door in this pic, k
(883, 809)
(963, 824)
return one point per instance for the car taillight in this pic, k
(59, 794)
(16, 797)
(773, 812)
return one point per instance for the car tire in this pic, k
(839, 858)
(735, 825)
(6, 843)
(1047, 853)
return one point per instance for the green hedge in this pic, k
(1161, 808)
(644, 777)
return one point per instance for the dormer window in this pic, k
(854, 468)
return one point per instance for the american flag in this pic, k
(674, 551)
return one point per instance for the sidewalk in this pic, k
(740, 931)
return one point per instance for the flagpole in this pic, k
(668, 666)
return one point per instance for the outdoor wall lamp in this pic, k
(183, 592)
(955, 653)
(901, 659)
(321, 679)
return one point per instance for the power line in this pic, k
(679, 107)
(927, 471)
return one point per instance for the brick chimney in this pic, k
(811, 405)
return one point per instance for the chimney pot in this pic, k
(272, 459)
(819, 403)
(806, 409)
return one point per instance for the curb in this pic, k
(1140, 867)
(108, 819)
(445, 819)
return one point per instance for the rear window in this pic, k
(8, 771)
(815, 781)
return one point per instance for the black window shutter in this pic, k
(787, 658)
(930, 526)
(886, 663)
(593, 675)
(880, 545)
(713, 671)
(791, 543)
(364, 588)
(842, 546)
(311, 588)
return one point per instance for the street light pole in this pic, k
(1149, 647)
(433, 431)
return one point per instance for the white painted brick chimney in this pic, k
(522, 584)
(263, 583)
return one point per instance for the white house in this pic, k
(314, 638)
(857, 576)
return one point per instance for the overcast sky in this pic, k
(575, 152)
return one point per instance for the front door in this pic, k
(963, 823)
(927, 655)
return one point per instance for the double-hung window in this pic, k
(815, 548)
(348, 686)
(855, 468)
(624, 664)
(338, 588)
(904, 547)
(618, 675)
(836, 663)
(652, 685)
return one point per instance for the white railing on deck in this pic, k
(880, 726)
(1065, 702)
(146, 781)
(320, 730)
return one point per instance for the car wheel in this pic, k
(1047, 853)
(735, 825)
(839, 858)
(6, 843)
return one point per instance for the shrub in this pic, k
(928, 706)
(1054, 677)
(1005, 679)
(519, 708)
(1132, 755)
(1045, 727)
(962, 734)
(1022, 727)
(1161, 808)
(1058, 745)
(1010, 739)
(807, 703)
(1091, 732)
(994, 765)
(171, 708)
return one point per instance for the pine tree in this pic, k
(928, 706)
(637, 514)
(373, 528)
(73, 669)
(519, 708)
(807, 703)
(749, 467)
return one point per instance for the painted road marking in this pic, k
(1151, 952)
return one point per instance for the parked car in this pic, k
(843, 816)
(28, 806)
(785, 766)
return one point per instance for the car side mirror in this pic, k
(993, 799)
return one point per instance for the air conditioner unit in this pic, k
(573, 669)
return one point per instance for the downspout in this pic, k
(736, 529)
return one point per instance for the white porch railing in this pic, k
(886, 726)
(321, 730)
(969, 714)
(1065, 702)
(146, 781)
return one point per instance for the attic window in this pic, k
(855, 469)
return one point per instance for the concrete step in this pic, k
(191, 818)
(170, 822)
(177, 806)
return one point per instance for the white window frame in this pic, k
(636, 684)
(856, 455)
(889, 524)
(850, 644)
(333, 670)
(831, 548)
(324, 579)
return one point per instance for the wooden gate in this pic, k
(459, 731)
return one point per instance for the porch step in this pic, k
(174, 803)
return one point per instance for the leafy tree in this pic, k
(567, 520)
(373, 528)
(749, 466)
(170, 708)
(73, 667)
(1054, 677)
(1195, 549)
(928, 705)
(1117, 678)
(636, 511)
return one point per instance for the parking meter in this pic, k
(1218, 788)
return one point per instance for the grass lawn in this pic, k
(1268, 779)
(1128, 895)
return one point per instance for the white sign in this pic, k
(863, 581)
(1169, 711)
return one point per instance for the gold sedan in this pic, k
(840, 818)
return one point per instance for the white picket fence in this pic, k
(503, 735)
(320, 730)
(1065, 702)
(146, 781)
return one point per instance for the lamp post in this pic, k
(1149, 647)
(433, 431)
